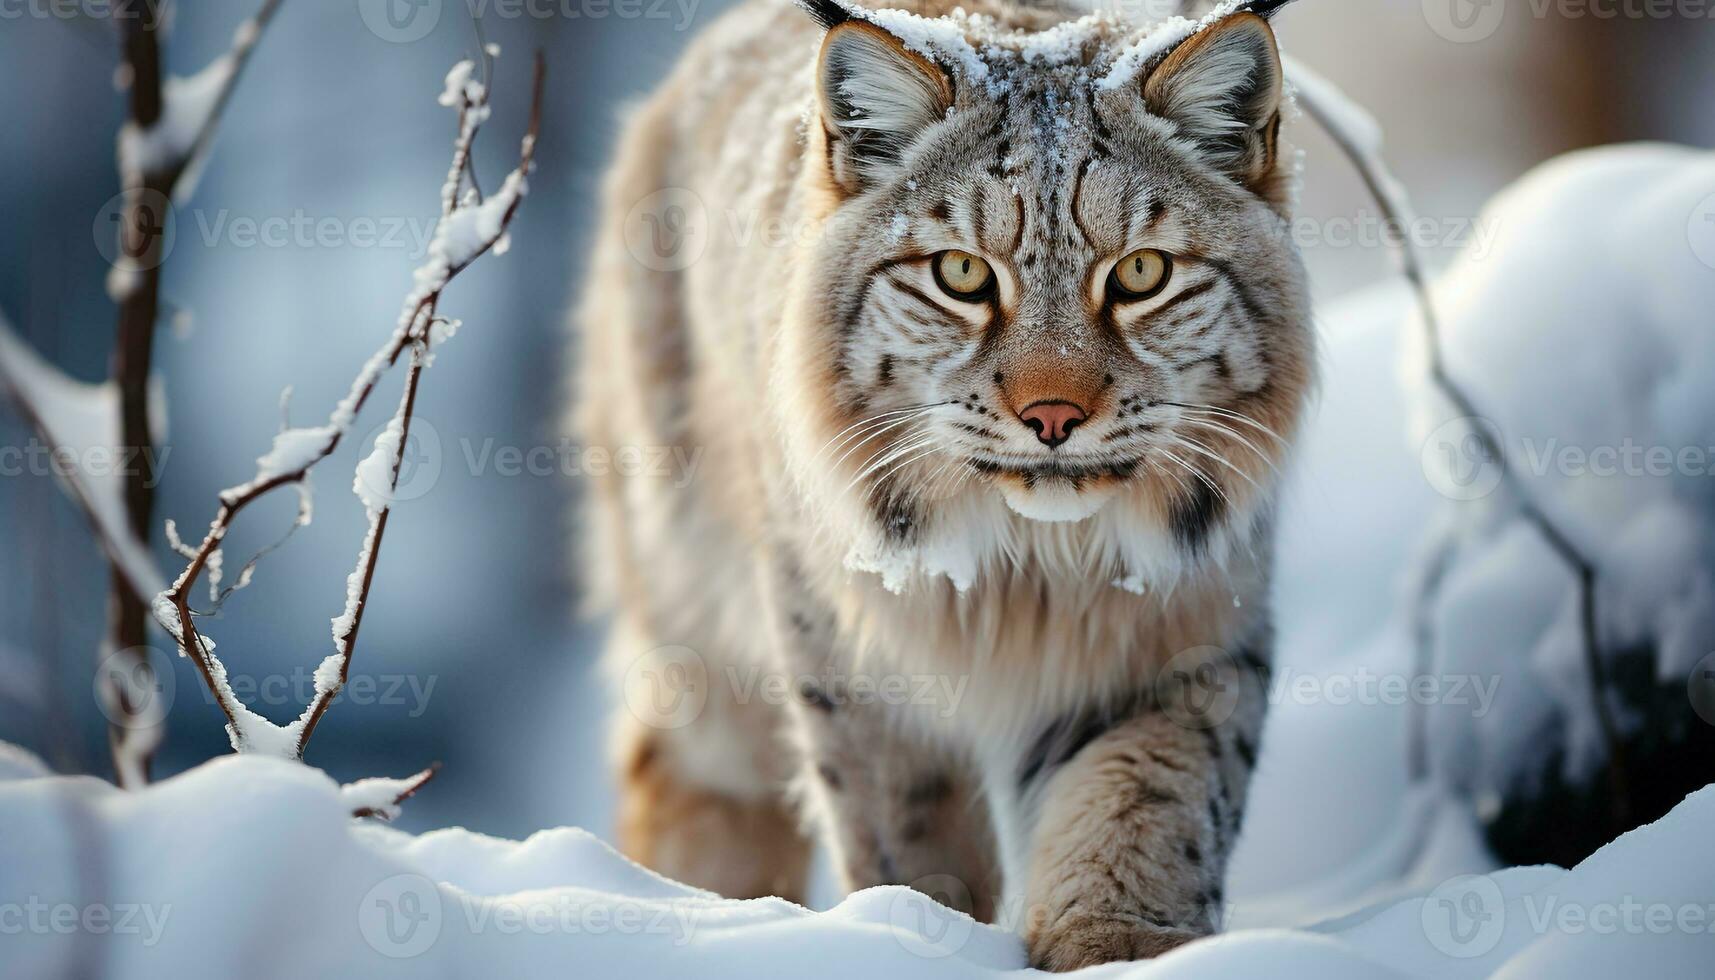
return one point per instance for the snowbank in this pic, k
(1584, 338)
(250, 866)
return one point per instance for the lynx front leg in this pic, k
(1136, 819)
(895, 809)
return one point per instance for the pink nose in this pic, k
(1053, 422)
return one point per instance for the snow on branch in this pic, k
(74, 418)
(470, 227)
(172, 127)
(381, 799)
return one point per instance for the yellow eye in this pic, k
(1141, 275)
(963, 276)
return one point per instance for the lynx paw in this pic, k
(1075, 941)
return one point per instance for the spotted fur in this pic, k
(871, 503)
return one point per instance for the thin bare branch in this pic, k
(414, 333)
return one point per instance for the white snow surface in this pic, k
(249, 866)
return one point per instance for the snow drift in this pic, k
(251, 866)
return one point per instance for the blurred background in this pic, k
(471, 650)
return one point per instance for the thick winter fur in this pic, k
(883, 600)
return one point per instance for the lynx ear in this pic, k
(1223, 88)
(876, 97)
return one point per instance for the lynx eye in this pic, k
(1140, 275)
(963, 276)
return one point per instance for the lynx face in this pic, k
(1050, 279)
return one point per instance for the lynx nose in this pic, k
(1053, 422)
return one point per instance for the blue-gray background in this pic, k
(474, 595)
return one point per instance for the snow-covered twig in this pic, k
(381, 799)
(1358, 137)
(468, 229)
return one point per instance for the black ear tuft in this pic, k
(828, 13)
(1266, 8)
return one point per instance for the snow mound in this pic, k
(1584, 337)
(250, 866)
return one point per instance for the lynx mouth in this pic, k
(1073, 471)
(1056, 491)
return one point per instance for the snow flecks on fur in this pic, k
(1108, 44)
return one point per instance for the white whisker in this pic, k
(1203, 450)
(1199, 474)
(1235, 416)
(1237, 437)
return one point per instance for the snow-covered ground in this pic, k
(253, 866)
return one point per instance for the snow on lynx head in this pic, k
(1053, 271)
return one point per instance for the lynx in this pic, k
(986, 327)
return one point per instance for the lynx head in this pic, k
(1053, 272)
